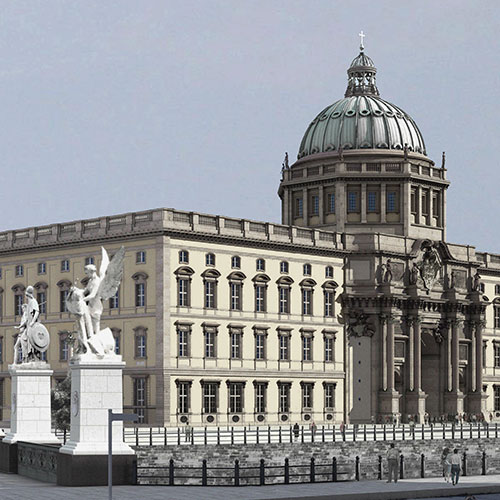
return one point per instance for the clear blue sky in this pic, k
(116, 106)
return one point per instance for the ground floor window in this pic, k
(497, 397)
(210, 397)
(235, 397)
(140, 401)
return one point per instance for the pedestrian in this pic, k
(392, 463)
(296, 431)
(187, 432)
(455, 467)
(445, 461)
(313, 430)
(342, 427)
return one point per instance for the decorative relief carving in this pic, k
(358, 324)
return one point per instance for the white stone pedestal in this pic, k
(96, 386)
(30, 404)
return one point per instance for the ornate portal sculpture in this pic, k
(86, 304)
(430, 266)
(33, 337)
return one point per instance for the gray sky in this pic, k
(116, 106)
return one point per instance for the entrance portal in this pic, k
(431, 379)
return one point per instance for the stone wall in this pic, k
(300, 454)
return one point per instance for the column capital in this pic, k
(388, 318)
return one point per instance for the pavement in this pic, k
(15, 487)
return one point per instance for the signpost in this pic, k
(115, 417)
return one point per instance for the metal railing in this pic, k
(311, 472)
(165, 436)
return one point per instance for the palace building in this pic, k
(354, 308)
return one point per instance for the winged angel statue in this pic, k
(86, 304)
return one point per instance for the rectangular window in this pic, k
(425, 203)
(329, 296)
(352, 201)
(64, 266)
(140, 398)
(299, 207)
(1, 398)
(210, 397)
(183, 289)
(315, 204)
(210, 346)
(1, 353)
(63, 348)
(306, 348)
(183, 342)
(329, 343)
(307, 396)
(235, 296)
(435, 205)
(329, 396)
(19, 270)
(42, 268)
(140, 294)
(391, 201)
(284, 398)
(496, 390)
(63, 294)
(18, 305)
(260, 397)
(236, 344)
(306, 301)
(41, 298)
(372, 205)
(497, 316)
(284, 341)
(140, 257)
(260, 345)
(89, 260)
(260, 298)
(235, 397)
(413, 201)
(117, 343)
(140, 345)
(284, 294)
(331, 203)
(210, 289)
(114, 302)
(496, 350)
(183, 390)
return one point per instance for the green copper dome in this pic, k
(362, 120)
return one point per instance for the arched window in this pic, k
(210, 259)
(307, 289)
(236, 291)
(140, 289)
(284, 267)
(64, 287)
(329, 290)
(210, 281)
(284, 293)
(117, 333)
(140, 342)
(184, 275)
(260, 265)
(41, 296)
(183, 257)
(260, 286)
(18, 299)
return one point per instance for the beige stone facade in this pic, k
(219, 320)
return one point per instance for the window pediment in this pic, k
(140, 276)
(184, 271)
(261, 278)
(210, 273)
(236, 276)
(40, 286)
(285, 280)
(64, 284)
(19, 288)
(331, 285)
(308, 282)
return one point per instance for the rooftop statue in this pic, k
(33, 337)
(86, 305)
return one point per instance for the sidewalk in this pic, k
(14, 487)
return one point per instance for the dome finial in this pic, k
(361, 44)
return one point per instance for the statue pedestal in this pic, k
(30, 404)
(453, 402)
(415, 404)
(476, 402)
(96, 387)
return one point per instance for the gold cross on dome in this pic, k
(361, 36)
